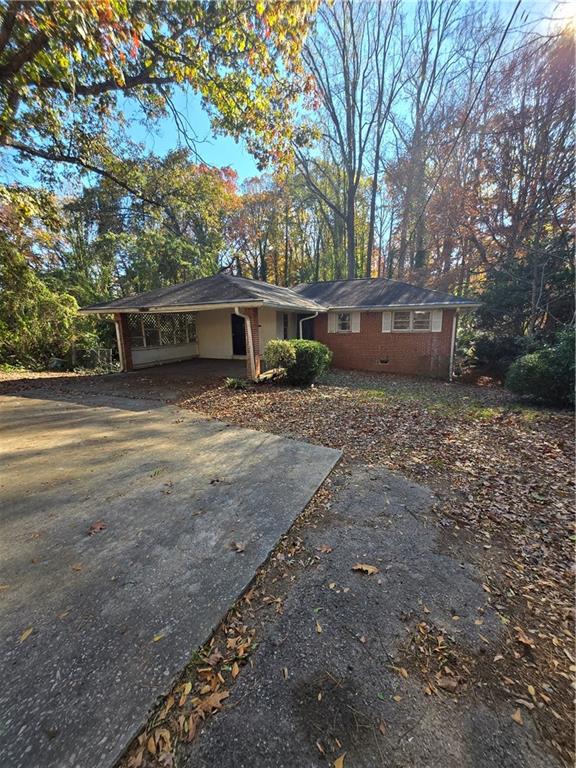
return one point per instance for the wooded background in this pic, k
(429, 142)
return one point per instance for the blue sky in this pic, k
(222, 150)
(215, 150)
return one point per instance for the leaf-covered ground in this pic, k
(503, 475)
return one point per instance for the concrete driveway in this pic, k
(127, 529)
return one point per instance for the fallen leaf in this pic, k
(96, 527)
(156, 638)
(136, 760)
(213, 702)
(186, 688)
(215, 658)
(192, 726)
(151, 745)
(325, 549)
(320, 748)
(285, 673)
(339, 762)
(382, 727)
(76, 567)
(318, 627)
(523, 638)
(447, 683)
(517, 717)
(237, 546)
(401, 671)
(369, 570)
(397, 698)
(167, 707)
(26, 634)
(235, 670)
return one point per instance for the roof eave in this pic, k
(384, 307)
(294, 308)
(167, 309)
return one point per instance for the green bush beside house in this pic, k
(303, 360)
(547, 374)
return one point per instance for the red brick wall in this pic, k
(421, 354)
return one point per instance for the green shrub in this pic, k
(312, 359)
(495, 353)
(233, 383)
(547, 374)
(279, 354)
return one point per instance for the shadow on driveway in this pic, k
(94, 628)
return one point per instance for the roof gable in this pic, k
(216, 290)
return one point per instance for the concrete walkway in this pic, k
(360, 687)
(126, 531)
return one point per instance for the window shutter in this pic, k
(355, 322)
(386, 322)
(332, 317)
(437, 320)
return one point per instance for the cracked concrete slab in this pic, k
(341, 687)
(94, 628)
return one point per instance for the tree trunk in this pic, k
(350, 228)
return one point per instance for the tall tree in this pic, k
(68, 68)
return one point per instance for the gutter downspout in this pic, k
(252, 362)
(311, 317)
(120, 346)
(452, 346)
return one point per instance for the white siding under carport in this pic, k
(142, 358)
(214, 330)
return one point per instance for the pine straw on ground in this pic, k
(503, 475)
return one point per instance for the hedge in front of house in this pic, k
(312, 360)
(279, 353)
(547, 374)
(303, 360)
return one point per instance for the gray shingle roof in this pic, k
(308, 297)
(219, 289)
(376, 292)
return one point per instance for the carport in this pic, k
(223, 317)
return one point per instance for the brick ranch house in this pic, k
(370, 324)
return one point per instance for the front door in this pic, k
(238, 335)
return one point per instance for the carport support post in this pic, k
(123, 339)
(252, 342)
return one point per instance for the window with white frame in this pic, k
(344, 321)
(401, 321)
(421, 320)
(158, 330)
(406, 320)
